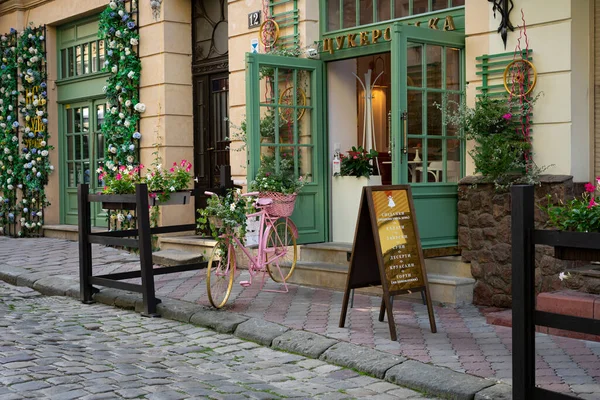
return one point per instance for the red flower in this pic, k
(152, 195)
(118, 177)
(590, 188)
(592, 203)
(172, 170)
(174, 164)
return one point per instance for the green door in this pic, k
(428, 75)
(82, 154)
(284, 111)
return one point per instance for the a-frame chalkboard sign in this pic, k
(386, 234)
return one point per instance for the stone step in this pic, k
(450, 290)
(170, 258)
(65, 232)
(329, 253)
(450, 265)
(191, 244)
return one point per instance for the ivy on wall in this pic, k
(36, 166)
(10, 170)
(120, 128)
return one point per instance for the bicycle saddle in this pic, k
(264, 202)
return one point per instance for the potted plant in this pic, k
(578, 223)
(356, 171)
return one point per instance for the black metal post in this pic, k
(145, 243)
(85, 248)
(523, 293)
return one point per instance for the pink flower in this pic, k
(183, 162)
(188, 168)
(355, 157)
(174, 164)
(122, 168)
(118, 177)
(152, 195)
(590, 188)
(592, 203)
(507, 116)
(141, 166)
(172, 170)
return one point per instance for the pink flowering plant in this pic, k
(581, 214)
(358, 162)
(121, 181)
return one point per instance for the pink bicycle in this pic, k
(276, 253)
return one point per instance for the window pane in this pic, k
(453, 160)
(78, 59)
(86, 146)
(63, 63)
(86, 172)
(420, 6)
(305, 162)
(77, 120)
(414, 63)
(415, 160)
(70, 120)
(71, 62)
(70, 154)
(401, 8)
(77, 147)
(349, 13)
(99, 116)
(86, 119)
(101, 53)
(366, 12)
(86, 58)
(100, 146)
(415, 112)
(456, 3)
(452, 69)
(434, 66)
(453, 104)
(434, 114)
(333, 15)
(439, 4)
(383, 10)
(94, 56)
(435, 165)
(71, 168)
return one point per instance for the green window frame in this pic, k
(82, 59)
(344, 14)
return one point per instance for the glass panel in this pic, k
(77, 120)
(267, 125)
(100, 146)
(456, 3)
(333, 15)
(86, 172)
(453, 104)
(101, 53)
(452, 69)
(77, 174)
(71, 62)
(434, 66)
(453, 160)
(77, 155)
(434, 114)
(286, 163)
(94, 56)
(70, 154)
(305, 167)
(349, 13)
(86, 58)
(78, 59)
(71, 174)
(304, 126)
(415, 160)
(420, 6)
(63, 63)
(100, 164)
(414, 65)
(86, 119)
(415, 112)
(439, 4)
(383, 10)
(435, 165)
(70, 120)
(366, 12)
(267, 157)
(401, 8)
(99, 116)
(86, 146)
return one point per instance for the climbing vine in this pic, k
(120, 128)
(9, 140)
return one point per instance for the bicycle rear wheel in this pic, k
(220, 275)
(281, 242)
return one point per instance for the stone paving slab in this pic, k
(218, 320)
(260, 331)
(364, 359)
(496, 392)
(304, 343)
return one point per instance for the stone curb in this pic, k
(433, 380)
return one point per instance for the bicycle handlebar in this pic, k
(210, 193)
(250, 194)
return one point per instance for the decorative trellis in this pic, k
(492, 66)
(285, 13)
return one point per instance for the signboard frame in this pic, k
(367, 248)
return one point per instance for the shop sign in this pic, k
(377, 35)
(35, 124)
(386, 234)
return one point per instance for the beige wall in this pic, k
(558, 32)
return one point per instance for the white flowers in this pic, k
(134, 41)
(140, 107)
(562, 276)
(128, 103)
(131, 74)
(172, 188)
(232, 207)
(45, 153)
(112, 5)
(114, 69)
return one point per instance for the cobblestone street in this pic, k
(58, 348)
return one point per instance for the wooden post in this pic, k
(145, 243)
(85, 247)
(523, 292)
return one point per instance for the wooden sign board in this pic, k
(386, 234)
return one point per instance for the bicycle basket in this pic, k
(283, 204)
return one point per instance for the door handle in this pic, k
(210, 149)
(389, 121)
(405, 133)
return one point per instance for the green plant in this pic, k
(579, 214)
(358, 162)
(277, 178)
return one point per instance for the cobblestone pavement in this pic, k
(464, 342)
(58, 348)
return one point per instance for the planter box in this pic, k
(176, 198)
(345, 197)
(582, 246)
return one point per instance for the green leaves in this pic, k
(358, 162)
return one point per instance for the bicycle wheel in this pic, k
(219, 276)
(281, 242)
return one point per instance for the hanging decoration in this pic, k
(118, 27)
(155, 5)
(9, 139)
(502, 6)
(36, 166)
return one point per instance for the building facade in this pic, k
(224, 85)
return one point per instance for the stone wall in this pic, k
(484, 236)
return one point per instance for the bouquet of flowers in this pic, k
(358, 162)
(269, 180)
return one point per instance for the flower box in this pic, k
(175, 198)
(583, 246)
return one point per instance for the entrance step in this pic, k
(450, 265)
(171, 258)
(331, 252)
(191, 244)
(65, 232)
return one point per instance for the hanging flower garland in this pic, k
(31, 59)
(9, 140)
(119, 30)
(155, 5)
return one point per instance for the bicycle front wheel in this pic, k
(220, 275)
(281, 249)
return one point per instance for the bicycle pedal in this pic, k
(245, 283)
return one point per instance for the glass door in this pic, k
(427, 153)
(82, 154)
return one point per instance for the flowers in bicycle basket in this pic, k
(281, 180)
(226, 214)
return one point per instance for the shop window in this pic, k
(83, 59)
(350, 13)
